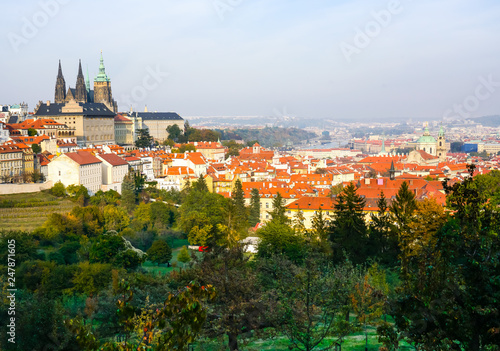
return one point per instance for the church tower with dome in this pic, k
(432, 146)
(441, 145)
(427, 143)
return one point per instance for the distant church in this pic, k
(82, 93)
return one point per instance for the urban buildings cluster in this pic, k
(81, 139)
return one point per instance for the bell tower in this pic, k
(441, 145)
(102, 88)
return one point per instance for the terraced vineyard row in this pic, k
(29, 211)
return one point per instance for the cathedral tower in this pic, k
(60, 94)
(102, 88)
(80, 90)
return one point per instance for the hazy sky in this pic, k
(315, 58)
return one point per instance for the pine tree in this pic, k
(299, 223)
(128, 199)
(144, 139)
(279, 209)
(403, 206)
(383, 239)
(254, 216)
(348, 232)
(403, 209)
(200, 184)
(320, 225)
(240, 211)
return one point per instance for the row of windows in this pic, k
(100, 137)
(11, 164)
(10, 155)
(99, 128)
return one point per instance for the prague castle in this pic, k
(90, 112)
(82, 93)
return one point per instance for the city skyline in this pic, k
(361, 60)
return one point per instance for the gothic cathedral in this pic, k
(82, 93)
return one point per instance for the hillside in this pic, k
(270, 136)
(488, 121)
(29, 211)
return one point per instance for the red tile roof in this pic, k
(83, 157)
(113, 159)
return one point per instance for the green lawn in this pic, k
(354, 342)
(162, 269)
(36, 207)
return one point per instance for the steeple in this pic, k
(383, 151)
(60, 93)
(441, 131)
(87, 82)
(80, 90)
(392, 171)
(101, 77)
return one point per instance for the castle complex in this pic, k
(82, 93)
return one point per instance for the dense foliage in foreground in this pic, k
(419, 273)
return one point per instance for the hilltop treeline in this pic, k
(269, 136)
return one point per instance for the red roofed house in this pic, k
(309, 206)
(78, 168)
(114, 169)
(211, 150)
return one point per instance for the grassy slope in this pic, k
(29, 218)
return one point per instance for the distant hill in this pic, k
(487, 121)
(269, 136)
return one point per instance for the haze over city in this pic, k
(313, 59)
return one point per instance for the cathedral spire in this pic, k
(80, 90)
(60, 93)
(87, 82)
(102, 77)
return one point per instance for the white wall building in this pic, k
(77, 168)
(114, 169)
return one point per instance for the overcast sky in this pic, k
(315, 58)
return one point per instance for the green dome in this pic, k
(426, 139)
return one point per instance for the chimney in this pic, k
(48, 102)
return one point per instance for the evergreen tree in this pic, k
(320, 226)
(279, 209)
(200, 184)
(383, 239)
(299, 223)
(403, 209)
(348, 232)
(254, 216)
(144, 140)
(128, 199)
(239, 209)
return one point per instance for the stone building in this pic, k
(157, 122)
